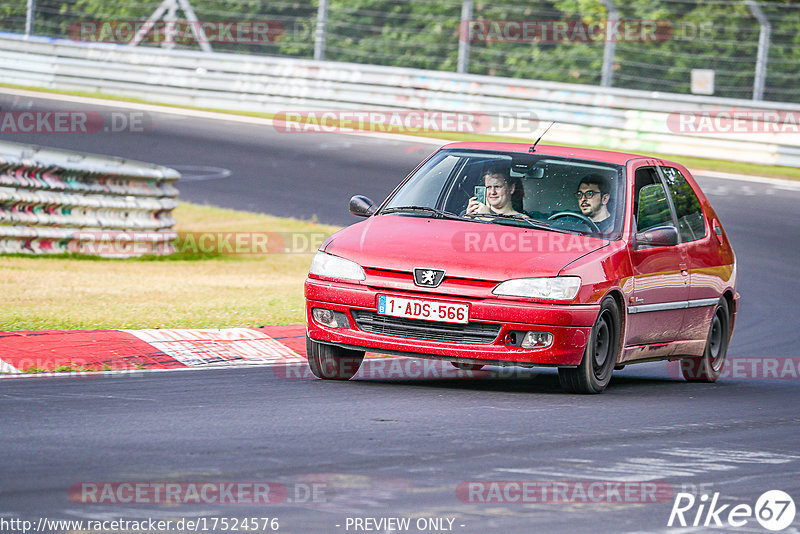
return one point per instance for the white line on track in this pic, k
(138, 373)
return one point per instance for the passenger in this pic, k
(593, 196)
(503, 195)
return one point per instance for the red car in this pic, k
(511, 254)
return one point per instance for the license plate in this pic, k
(427, 310)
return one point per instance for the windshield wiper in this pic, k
(533, 223)
(423, 209)
(514, 217)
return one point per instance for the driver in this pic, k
(593, 195)
(502, 194)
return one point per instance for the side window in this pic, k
(650, 201)
(691, 225)
(653, 208)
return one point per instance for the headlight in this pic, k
(335, 267)
(556, 288)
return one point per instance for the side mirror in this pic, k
(361, 206)
(661, 236)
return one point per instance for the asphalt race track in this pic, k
(387, 447)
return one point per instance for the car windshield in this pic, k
(561, 194)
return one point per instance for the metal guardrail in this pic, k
(55, 201)
(620, 119)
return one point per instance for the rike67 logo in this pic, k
(774, 510)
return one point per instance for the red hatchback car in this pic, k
(507, 254)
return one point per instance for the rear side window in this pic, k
(691, 225)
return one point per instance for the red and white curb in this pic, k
(32, 353)
(66, 353)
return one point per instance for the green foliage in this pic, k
(12, 16)
(417, 33)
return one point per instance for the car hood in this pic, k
(464, 249)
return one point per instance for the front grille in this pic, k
(370, 321)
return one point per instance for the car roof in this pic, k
(608, 156)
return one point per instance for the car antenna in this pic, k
(533, 146)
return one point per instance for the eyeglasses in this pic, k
(586, 194)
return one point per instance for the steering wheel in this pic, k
(580, 216)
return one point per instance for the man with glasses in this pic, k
(593, 195)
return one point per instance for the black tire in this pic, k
(600, 357)
(467, 366)
(709, 366)
(332, 363)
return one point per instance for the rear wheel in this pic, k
(708, 367)
(600, 356)
(467, 366)
(332, 363)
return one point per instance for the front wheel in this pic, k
(594, 372)
(708, 367)
(332, 363)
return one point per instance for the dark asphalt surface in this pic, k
(382, 446)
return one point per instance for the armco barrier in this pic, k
(55, 201)
(611, 117)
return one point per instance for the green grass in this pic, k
(69, 367)
(215, 290)
(773, 171)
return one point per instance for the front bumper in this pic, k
(570, 326)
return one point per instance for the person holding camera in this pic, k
(503, 195)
